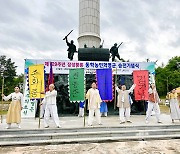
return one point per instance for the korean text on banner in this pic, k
(28, 110)
(141, 79)
(76, 84)
(36, 81)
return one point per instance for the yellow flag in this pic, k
(36, 81)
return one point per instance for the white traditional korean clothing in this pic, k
(14, 111)
(153, 105)
(174, 106)
(50, 108)
(123, 103)
(94, 101)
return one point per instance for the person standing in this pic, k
(15, 107)
(103, 109)
(81, 109)
(94, 101)
(153, 104)
(123, 103)
(50, 106)
(174, 106)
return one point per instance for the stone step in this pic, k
(88, 140)
(93, 134)
(86, 129)
(87, 134)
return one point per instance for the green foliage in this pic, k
(168, 77)
(9, 73)
(3, 112)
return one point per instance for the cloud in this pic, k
(149, 29)
(31, 28)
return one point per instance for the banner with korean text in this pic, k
(76, 84)
(29, 106)
(141, 79)
(36, 81)
(63, 67)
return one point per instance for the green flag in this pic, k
(76, 84)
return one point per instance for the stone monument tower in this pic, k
(89, 23)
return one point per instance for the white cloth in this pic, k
(125, 92)
(124, 114)
(122, 97)
(155, 107)
(175, 110)
(105, 114)
(50, 108)
(81, 112)
(94, 101)
(42, 110)
(15, 97)
(91, 116)
(50, 97)
(94, 98)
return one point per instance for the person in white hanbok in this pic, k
(123, 103)
(153, 104)
(174, 106)
(81, 109)
(50, 106)
(94, 101)
(15, 107)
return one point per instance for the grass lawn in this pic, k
(4, 107)
(3, 112)
(164, 108)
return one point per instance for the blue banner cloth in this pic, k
(103, 107)
(104, 83)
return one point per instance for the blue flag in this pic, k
(104, 82)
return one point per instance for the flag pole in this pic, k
(115, 100)
(2, 99)
(84, 102)
(39, 125)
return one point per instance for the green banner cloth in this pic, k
(76, 84)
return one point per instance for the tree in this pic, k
(18, 80)
(173, 63)
(168, 77)
(8, 70)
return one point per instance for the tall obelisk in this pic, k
(89, 23)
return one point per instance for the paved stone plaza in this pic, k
(76, 122)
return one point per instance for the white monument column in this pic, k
(89, 23)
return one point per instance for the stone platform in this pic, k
(78, 122)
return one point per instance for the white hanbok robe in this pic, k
(50, 108)
(14, 111)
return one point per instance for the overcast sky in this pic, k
(35, 28)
